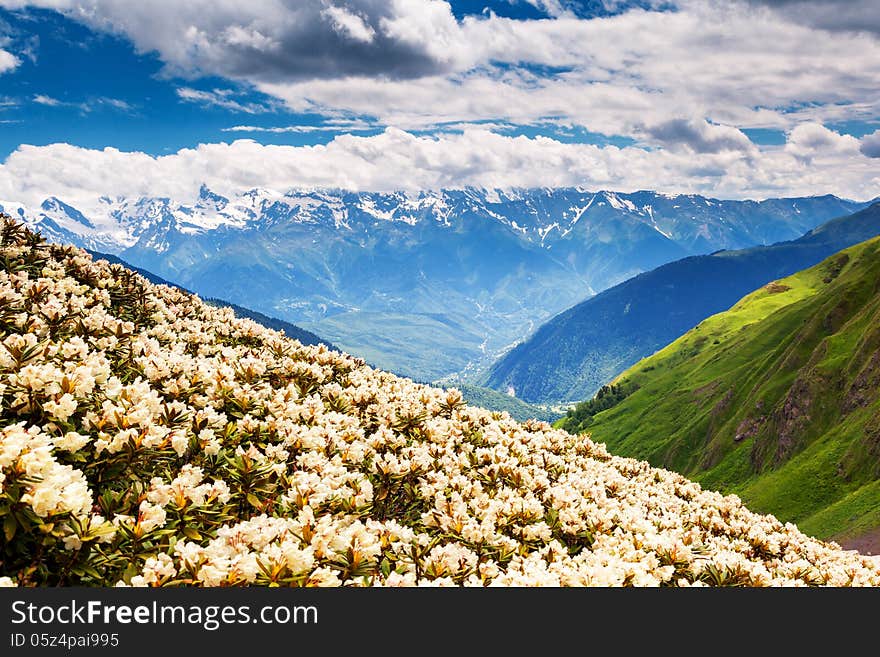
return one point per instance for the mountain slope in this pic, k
(431, 284)
(776, 399)
(498, 401)
(149, 439)
(475, 395)
(291, 330)
(570, 356)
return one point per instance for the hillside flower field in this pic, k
(149, 439)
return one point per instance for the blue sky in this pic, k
(769, 97)
(110, 95)
(82, 68)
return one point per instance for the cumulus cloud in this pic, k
(276, 39)
(848, 15)
(8, 61)
(350, 24)
(624, 72)
(699, 136)
(811, 140)
(411, 64)
(396, 160)
(688, 81)
(870, 144)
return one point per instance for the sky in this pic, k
(728, 98)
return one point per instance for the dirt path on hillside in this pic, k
(868, 543)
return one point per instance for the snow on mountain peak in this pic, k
(619, 203)
(537, 216)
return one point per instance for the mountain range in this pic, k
(584, 347)
(776, 399)
(429, 284)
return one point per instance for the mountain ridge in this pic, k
(210, 210)
(569, 357)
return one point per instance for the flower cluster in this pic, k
(149, 439)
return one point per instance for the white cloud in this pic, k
(847, 15)
(399, 160)
(349, 24)
(271, 39)
(48, 101)
(687, 81)
(514, 97)
(699, 136)
(115, 103)
(249, 39)
(219, 98)
(429, 24)
(86, 106)
(8, 61)
(811, 140)
(870, 144)
(342, 125)
(729, 65)
(411, 64)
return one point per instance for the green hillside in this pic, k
(776, 400)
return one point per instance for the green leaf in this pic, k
(130, 571)
(254, 501)
(9, 527)
(91, 571)
(192, 533)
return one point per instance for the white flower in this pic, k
(150, 516)
(155, 571)
(71, 441)
(179, 442)
(323, 577)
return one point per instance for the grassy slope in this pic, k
(775, 399)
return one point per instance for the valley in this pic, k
(573, 354)
(434, 285)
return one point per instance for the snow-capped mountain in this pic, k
(428, 284)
